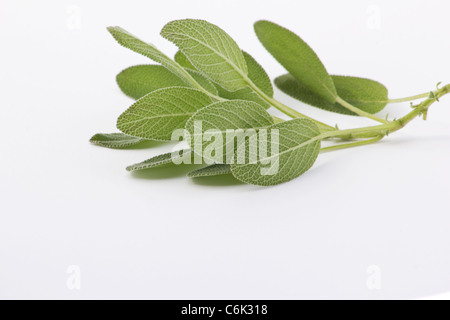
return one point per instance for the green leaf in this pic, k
(255, 73)
(137, 81)
(277, 120)
(247, 94)
(365, 94)
(203, 81)
(160, 160)
(258, 75)
(133, 43)
(158, 114)
(228, 115)
(115, 140)
(297, 57)
(299, 145)
(212, 51)
(212, 170)
(183, 61)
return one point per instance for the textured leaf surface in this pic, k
(115, 140)
(158, 114)
(158, 161)
(256, 74)
(211, 50)
(133, 43)
(203, 82)
(230, 115)
(183, 61)
(277, 120)
(259, 77)
(137, 81)
(247, 94)
(365, 94)
(212, 170)
(297, 57)
(298, 150)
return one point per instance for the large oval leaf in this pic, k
(158, 114)
(367, 95)
(256, 74)
(210, 50)
(297, 57)
(298, 148)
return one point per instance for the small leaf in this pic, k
(299, 146)
(212, 51)
(133, 43)
(137, 81)
(297, 57)
(183, 61)
(115, 140)
(365, 94)
(160, 160)
(158, 114)
(212, 170)
(258, 75)
(223, 116)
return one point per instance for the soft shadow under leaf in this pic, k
(165, 172)
(217, 181)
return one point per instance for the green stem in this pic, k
(358, 111)
(408, 99)
(351, 145)
(390, 127)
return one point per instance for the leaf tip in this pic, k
(113, 29)
(192, 175)
(261, 23)
(94, 138)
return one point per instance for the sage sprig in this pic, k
(217, 98)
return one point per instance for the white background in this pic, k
(159, 235)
